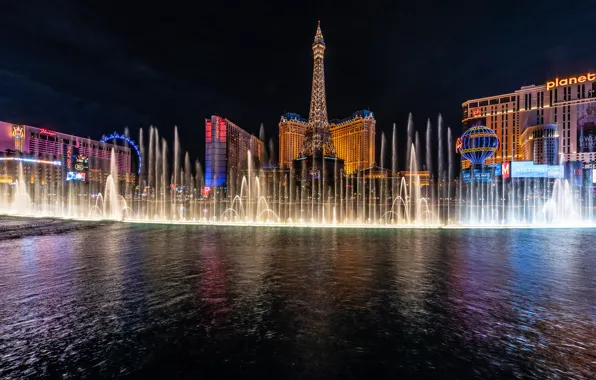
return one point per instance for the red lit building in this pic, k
(226, 148)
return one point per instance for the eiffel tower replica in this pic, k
(318, 155)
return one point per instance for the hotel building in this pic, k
(292, 128)
(353, 138)
(55, 145)
(45, 160)
(540, 144)
(226, 149)
(32, 145)
(560, 115)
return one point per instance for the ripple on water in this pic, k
(168, 301)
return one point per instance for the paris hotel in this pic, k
(549, 124)
(353, 138)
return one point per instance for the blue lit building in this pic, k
(226, 149)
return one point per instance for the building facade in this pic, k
(353, 139)
(568, 103)
(51, 145)
(540, 143)
(51, 165)
(292, 128)
(227, 148)
(15, 167)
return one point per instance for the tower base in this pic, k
(318, 172)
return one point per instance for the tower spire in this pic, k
(319, 35)
(317, 140)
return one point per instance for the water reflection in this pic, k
(188, 301)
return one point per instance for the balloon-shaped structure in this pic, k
(477, 144)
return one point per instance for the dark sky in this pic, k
(92, 67)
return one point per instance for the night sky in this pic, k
(92, 67)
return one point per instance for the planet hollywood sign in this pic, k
(589, 77)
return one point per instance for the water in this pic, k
(195, 301)
(168, 191)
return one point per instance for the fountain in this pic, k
(258, 195)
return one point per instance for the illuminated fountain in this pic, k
(257, 195)
(21, 201)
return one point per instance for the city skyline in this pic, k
(395, 66)
(215, 190)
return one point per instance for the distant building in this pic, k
(375, 172)
(44, 161)
(354, 140)
(226, 148)
(422, 175)
(52, 145)
(569, 103)
(540, 143)
(292, 128)
(31, 169)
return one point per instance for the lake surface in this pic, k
(124, 300)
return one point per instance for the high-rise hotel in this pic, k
(226, 148)
(353, 138)
(550, 123)
(292, 128)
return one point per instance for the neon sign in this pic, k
(506, 169)
(116, 136)
(18, 131)
(18, 134)
(527, 169)
(74, 176)
(44, 131)
(476, 112)
(81, 163)
(571, 80)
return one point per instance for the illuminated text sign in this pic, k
(44, 131)
(479, 175)
(74, 176)
(527, 169)
(506, 169)
(571, 80)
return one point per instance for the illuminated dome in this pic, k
(477, 144)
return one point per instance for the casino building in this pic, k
(226, 149)
(550, 123)
(353, 138)
(54, 145)
(292, 128)
(58, 164)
